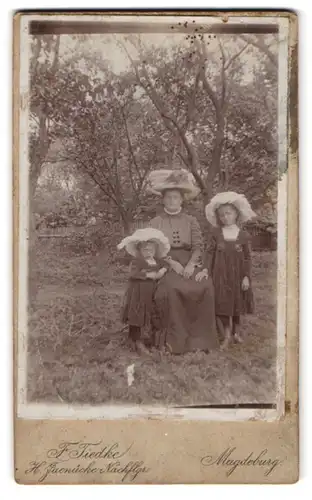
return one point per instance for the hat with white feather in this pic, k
(239, 201)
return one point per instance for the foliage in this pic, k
(188, 105)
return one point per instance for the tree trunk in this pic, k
(215, 164)
(126, 220)
(207, 195)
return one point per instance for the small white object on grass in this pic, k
(130, 372)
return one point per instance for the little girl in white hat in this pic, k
(228, 261)
(148, 247)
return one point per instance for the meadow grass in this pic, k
(78, 350)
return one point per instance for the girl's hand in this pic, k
(161, 272)
(189, 270)
(176, 266)
(201, 275)
(245, 284)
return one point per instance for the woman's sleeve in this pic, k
(247, 255)
(154, 223)
(197, 241)
(136, 271)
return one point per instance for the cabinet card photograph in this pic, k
(155, 247)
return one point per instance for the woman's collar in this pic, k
(173, 213)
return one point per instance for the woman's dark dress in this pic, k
(138, 302)
(228, 263)
(184, 309)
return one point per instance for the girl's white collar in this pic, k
(172, 213)
(230, 232)
(151, 261)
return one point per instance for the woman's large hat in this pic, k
(160, 180)
(239, 201)
(130, 243)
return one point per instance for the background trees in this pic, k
(205, 103)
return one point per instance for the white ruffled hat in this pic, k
(130, 243)
(239, 201)
(160, 180)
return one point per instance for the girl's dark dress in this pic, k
(138, 301)
(228, 263)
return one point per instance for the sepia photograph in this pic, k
(152, 216)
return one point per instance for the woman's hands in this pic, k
(186, 271)
(177, 267)
(189, 270)
(201, 275)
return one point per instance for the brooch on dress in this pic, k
(238, 248)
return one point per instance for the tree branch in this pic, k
(202, 50)
(223, 77)
(192, 102)
(36, 49)
(230, 61)
(56, 54)
(262, 47)
(131, 151)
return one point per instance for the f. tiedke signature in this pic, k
(230, 460)
(87, 458)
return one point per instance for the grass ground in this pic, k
(78, 352)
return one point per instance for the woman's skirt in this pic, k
(184, 311)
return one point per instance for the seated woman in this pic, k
(184, 308)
